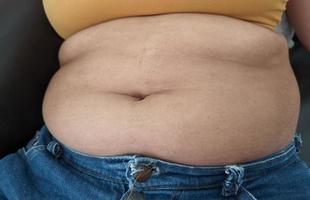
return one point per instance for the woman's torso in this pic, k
(190, 88)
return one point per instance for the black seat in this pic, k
(28, 59)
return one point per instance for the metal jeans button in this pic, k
(145, 174)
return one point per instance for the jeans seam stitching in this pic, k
(89, 172)
(269, 172)
(32, 148)
(156, 187)
(32, 152)
(269, 159)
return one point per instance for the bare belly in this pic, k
(188, 88)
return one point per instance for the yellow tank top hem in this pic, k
(71, 16)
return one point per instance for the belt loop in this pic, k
(54, 148)
(298, 142)
(233, 181)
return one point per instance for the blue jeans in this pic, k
(47, 169)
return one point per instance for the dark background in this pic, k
(28, 59)
(300, 60)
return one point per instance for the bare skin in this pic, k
(189, 88)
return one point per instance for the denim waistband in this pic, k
(167, 174)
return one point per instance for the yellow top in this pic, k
(70, 16)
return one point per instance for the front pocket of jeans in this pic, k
(33, 151)
(33, 147)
